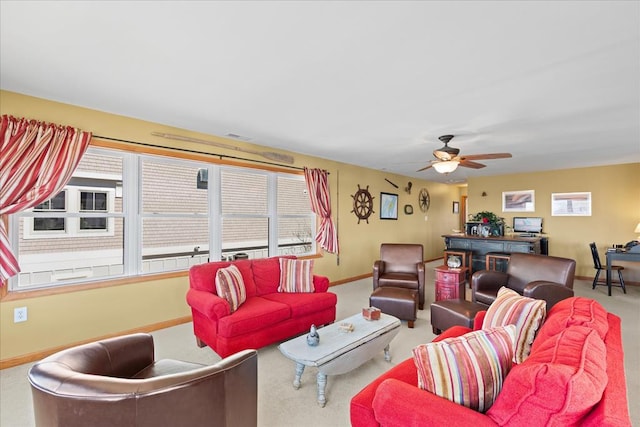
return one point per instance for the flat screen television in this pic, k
(527, 224)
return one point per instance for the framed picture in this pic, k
(456, 207)
(571, 204)
(388, 206)
(518, 201)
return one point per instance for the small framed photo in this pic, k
(571, 204)
(518, 201)
(388, 206)
(456, 207)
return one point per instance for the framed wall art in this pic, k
(571, 204)
(388, 206)
(518, 201)
(456, 207)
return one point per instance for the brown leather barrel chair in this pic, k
(117, 382)
(531, 275)
(400, 265)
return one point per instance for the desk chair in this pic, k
(599, 267)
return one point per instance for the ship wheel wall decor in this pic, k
(424, 200)
(362, 204)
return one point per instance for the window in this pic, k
(125, 214)
(56, 203)
(93, 201)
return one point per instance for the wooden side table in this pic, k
(450, 282)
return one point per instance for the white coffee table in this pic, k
(340, 352)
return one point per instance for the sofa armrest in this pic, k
(551, 292)
(378, 269)
(210, 305)
(320, 283)
(400, 404)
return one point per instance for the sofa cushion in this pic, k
(230, 286)
(255, 314)
(468, 370)
(296, 275)
(266, 275)
(577, 311)
(511, 308)
(302, 304)
(558, 384)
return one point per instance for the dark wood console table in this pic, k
(481, 245)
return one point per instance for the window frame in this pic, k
(132, 250)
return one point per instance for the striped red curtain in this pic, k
(37, 160)
(318, 185)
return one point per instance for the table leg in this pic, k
(387, 356)
(299, 371)
(608, 275)
(322, 385)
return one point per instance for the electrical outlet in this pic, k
(19, 314)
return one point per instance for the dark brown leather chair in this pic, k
(117, 382)
(536, 276)
(400, 265)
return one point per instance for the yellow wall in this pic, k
(69, 318)
(63, 319)
(615, 209)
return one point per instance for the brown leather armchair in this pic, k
(400, 265)
(116, 382)
(536, 276)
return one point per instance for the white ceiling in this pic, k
(557, 84)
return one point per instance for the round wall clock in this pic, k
(424, 199)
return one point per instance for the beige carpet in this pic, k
(279, 405)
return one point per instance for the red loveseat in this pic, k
(540, 391)
(267, 316)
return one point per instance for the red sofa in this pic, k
(267, 316)
(533, 393)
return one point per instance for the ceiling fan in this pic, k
(448, 160)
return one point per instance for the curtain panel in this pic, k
(37, 160)
(318, 186)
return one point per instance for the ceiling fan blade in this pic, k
(469, 164)
(424, 168)
(487, 156)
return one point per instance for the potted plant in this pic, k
(496, 224)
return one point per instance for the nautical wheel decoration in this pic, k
(362, 204)
(424, 200)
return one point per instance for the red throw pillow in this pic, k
(558, 384)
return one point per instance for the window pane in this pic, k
(93, 223)
(56, 203)
(48, 224)
(86, 201)
(101, 171)
(295, 235)
(243, 193)
(170, 187)
(245, 235)
(50, 261)
(100, 202)
(174, 243)
(292, 196)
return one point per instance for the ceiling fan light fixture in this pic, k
(446, 167)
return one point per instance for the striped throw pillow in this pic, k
(468, 370)
(230, 286)
(296, 275)
(511, 308)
